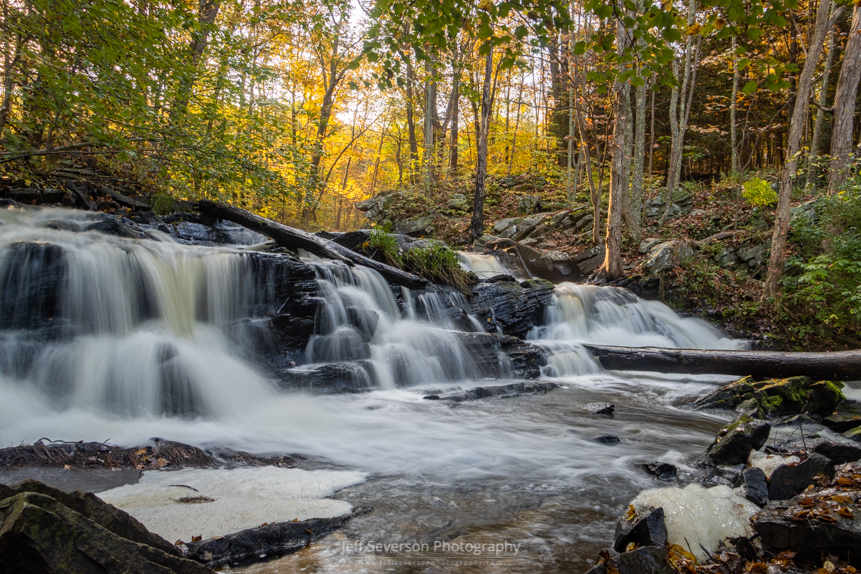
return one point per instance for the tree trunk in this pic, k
(430, 108)
(594, 194)
(411, 123)
(788, 174)
(844, 106)
(842, 365)
(477, 226)
(733, 106)
(652, 134)
(612, 266)
(636, 202)
(297, 239)
(516, 126)
(820, 113)
(207, 12)
(455, 122)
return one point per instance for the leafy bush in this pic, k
(826, 286)
(437, 263)
(758, 192)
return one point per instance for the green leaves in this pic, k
(749, 87)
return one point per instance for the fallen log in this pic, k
(297, 239)
(842, 365)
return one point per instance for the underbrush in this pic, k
(436, 263)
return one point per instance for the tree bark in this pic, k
(455, 121)
(594, 193)
(297, 239)
(733, 106)
(411, 123)
(844, 106)
(430, 108)
(788, 174)
(612, 266)
(477, 226)
(820, 113)
(636, 203)
(843, 365)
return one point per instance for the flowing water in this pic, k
(104, 337)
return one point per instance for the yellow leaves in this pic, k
(694, 29)
(485, 4)
(631, 514)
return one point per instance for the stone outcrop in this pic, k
(46, 531)
(499, 391)
(776, 397)
(514, 307)
(735, 442)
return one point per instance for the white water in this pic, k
(485, 266)
(148, 343)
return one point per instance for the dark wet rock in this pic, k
(755, 486)
(35, 195)
(514, 308)
(353, 239)
(493, 353)
(812, 538)
(156, 453)
(40, 534)
(283, 285)
(269, 541)
(89, 505)
(553, 266)
(589, 260)
(31, 277)
(845, 416)
(112, 225)
(776, 396)
(289, 335)
(735, 442)
(797, 420)
(647, 530)
(329, 378)
(500, 391)
(839, 453)
(600, 408)
(364, 320)
(787, 481)
(660, 470)
(645, 560)
(854, 434)
(607, 439)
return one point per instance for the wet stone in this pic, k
(755, 486)
(660, 470)
(600, 408)
(648, 530)
(787, 481)
(607, 439)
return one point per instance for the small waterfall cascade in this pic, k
(133, 327)
(613, 316)
(485, 265)
(399, 345)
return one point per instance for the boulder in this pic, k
(499, 391)
(589, 260)
(668, 255)
(489, 350)
(854, 434)
(600, 408)
(524, 228)
(776, 396)
(660, 470)
(845, 416)
(507, 227)
(269, 541)
(839, 453)
(818, 523)
(364, 320)
(553, 266)
(514, 308)
(645, 560)
(647, 244)
(329, 378)
(735, 442)
(607, 439)
(39, 534)
(787, 481)
(647, 530)
(458, 201)
(530, 204)
(755, 486)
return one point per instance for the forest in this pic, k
(298, 110)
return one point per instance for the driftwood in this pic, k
(296, 239)
(843, 365)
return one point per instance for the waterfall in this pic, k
(486, 266)
(134, 327)
(362, 321)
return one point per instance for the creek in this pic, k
(115, 338)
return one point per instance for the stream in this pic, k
(123, 339)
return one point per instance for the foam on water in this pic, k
(230, 500)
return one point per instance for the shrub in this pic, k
(758, 192)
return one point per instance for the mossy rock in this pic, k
(776, 397)
(854, 434)
(735, 442)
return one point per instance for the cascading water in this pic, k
(113, 337)
(361, 320)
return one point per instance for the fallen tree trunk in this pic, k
(297, 239)
(843, 365)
